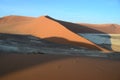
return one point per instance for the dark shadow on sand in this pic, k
(15, 62)
(80, 44)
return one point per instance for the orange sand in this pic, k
(14, 19)
(58, 67)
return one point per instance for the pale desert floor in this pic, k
(57, 67)
(115, 39)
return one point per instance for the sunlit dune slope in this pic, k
(46, 28)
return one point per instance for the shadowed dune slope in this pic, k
(90, 28)
(44, 27)
(77, 28)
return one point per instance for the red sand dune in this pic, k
(44, 27)
(9, 22)
(106, 28)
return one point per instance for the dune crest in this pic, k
(14, 19)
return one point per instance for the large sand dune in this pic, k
(44, 27)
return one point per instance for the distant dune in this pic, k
(106, 28)
(14, 19)
(45, 27)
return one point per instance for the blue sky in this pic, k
(85, 11)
